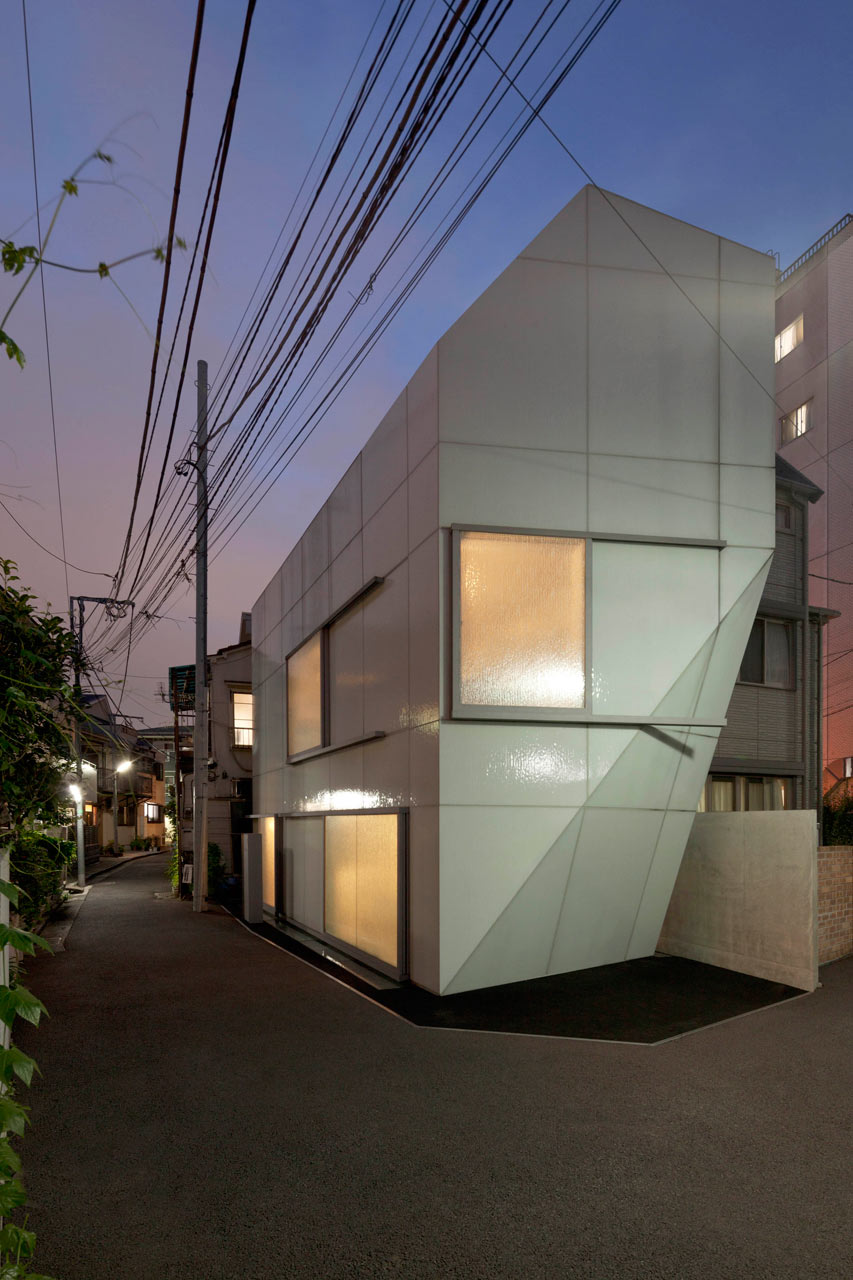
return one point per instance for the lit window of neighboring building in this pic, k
(848, 766)
(796, 423)
(521, 601)
(242, 718)
(153, 812)
(788, 338)
(768, 658)
(744, 793)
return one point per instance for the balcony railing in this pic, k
(128, 783)
(818, 244)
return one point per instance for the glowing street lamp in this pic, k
(119, 768)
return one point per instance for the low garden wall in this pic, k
(834, 902)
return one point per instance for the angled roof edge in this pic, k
(786, 474)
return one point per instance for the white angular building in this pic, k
(490, 677)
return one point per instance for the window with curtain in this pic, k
(242, 720)
(788, 338)
(796, 423)
(522, 621)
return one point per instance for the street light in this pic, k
(119, 768)
(77, 797)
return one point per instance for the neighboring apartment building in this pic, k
(769, 753)
(814, 390)
(490, 678)
(231, 737)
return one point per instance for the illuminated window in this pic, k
(325, 683)
(768, 657)
(796, 423)
(305, 697)
(90, 815)
(740, 793)
(361, 882)
(788, 338)
(521, 620)
(242, 717)
(153, 812)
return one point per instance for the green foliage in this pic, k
(36, 704)
(70, 187)
(13, 351)
(173, 871)
(838, 820)
(137, 843)
(38, 864)
(15, 257)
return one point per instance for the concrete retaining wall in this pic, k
(746, 896)
(834, 902)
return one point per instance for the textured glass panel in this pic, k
(340, 877)
(304, 697)
(777, 643)
(268, 859)
(755, 794)
(522, 620)
(752, 667)
(376, 916)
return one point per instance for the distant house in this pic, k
(119, 764)
(491, 677)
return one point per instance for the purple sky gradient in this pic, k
(733, 116)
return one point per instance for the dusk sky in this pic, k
(733, 116)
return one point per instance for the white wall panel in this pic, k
(487, 764)
(384, 461)
(386, 657)
(564, 238)
(652, 368)
(347, 574)
(386, 771)
(680, 247)
(423, 499)
(422, 409)
(423, 764)
(386, 535)
(521, 488)
(663, 871)
(345, 509)
(639, 648)
(424, 897)
(513, 369)
(424, 635)
(346, 677)
(487, 853)
(316, 605)
(644, 774)
(748, 506)
(612, 859)
(747, 379)
(653, 497)
(747, 266)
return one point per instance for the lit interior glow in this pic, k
(268, 860)
(243, 718)
(304, 697)
(522, 620)
(797, 423)
(361, 882)
(789, 338)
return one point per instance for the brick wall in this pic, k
(834, 901)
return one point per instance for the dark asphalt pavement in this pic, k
(213, 1109)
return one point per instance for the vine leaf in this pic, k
(22, 940)
(18, 1002)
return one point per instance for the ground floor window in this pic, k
(739, 793)
(343, 878)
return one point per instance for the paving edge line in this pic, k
(54, 929)
(526, 1035)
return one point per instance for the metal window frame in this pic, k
(325, 745)
(400, 971)
(463, 711)
(789, 437)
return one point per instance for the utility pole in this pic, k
(200, 751)
(116, 608)
(179, 811)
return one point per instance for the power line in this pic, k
(44, 304)
(167, 268)
(96, 573)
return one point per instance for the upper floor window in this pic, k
(305, 697)
(242, 717)
(768, 657)
(520, 622)
(743, 793)
(788, 338)
(783, 515)
(796, 423)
